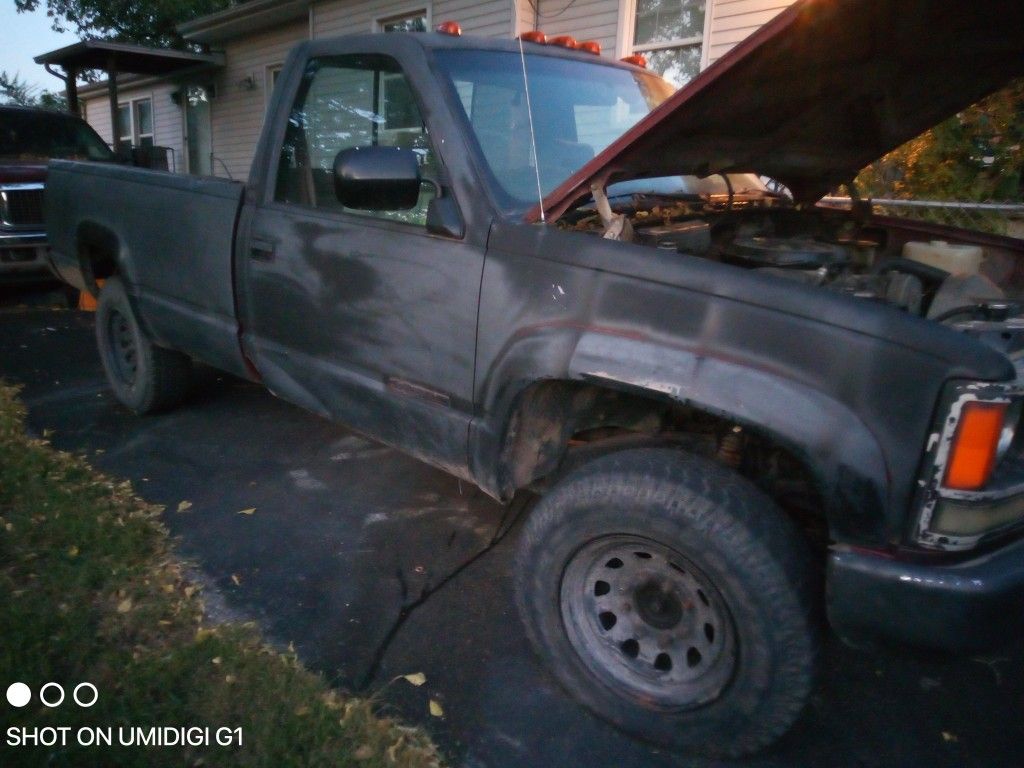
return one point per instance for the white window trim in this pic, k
(410, 10)
(268, 81)
(135, 135)
(705, 45)
(627, 27)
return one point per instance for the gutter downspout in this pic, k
(70, 78)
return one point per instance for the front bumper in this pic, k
(976, 604)
(23, 257)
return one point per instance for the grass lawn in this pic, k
(90, 591)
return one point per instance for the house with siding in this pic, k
(209, 120)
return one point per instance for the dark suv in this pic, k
(29, 138)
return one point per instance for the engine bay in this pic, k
(961, 286)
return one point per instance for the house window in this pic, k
(417, 21)
(670, 34)
(124, 124)
(143, 122)
(135, 123)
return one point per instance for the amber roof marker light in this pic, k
(636, 60)
(449, 28)
(972, 454)
(534, 36)
(565, 41)
(590, 46)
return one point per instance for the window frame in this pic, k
(627, 30)
(410, 11)
(136, 129)
(118, 138)
(272, 179)
(135, 136)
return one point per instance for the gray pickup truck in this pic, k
(746, 414)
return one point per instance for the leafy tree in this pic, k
(14, 90)
(976, 155)
(147, 22)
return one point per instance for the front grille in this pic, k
(17, 255)
(23, 207)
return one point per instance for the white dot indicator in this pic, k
(18, 694)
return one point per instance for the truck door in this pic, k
(365, 317)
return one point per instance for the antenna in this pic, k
(533, 136)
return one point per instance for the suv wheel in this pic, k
(671, 597)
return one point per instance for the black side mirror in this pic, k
(377, 178)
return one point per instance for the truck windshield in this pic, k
(578, 107)
(29, 135)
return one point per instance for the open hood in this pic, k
(822, 90)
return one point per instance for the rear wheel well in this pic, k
(98, 255)
(558, 425)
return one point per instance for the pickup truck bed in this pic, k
(180, 256)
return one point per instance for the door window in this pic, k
(197, 123)
(345, 102)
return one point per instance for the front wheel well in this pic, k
(559, 425)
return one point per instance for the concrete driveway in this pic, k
(374, 565)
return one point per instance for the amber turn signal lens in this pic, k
(449, 28)
(972, 457)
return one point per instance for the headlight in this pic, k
(964, 518)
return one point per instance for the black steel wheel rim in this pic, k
(124, 352)
(648, 623)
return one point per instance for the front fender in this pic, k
(829, 437)
(849, 385)
(846, 459)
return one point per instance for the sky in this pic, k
(25, 35)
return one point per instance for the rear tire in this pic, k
(144, 377)
(671, 597)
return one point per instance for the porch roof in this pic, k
(126, 58)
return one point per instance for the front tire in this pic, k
(144, 377)
(671, 597)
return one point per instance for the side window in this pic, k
(344, 102)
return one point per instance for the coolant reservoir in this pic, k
(955, 259)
